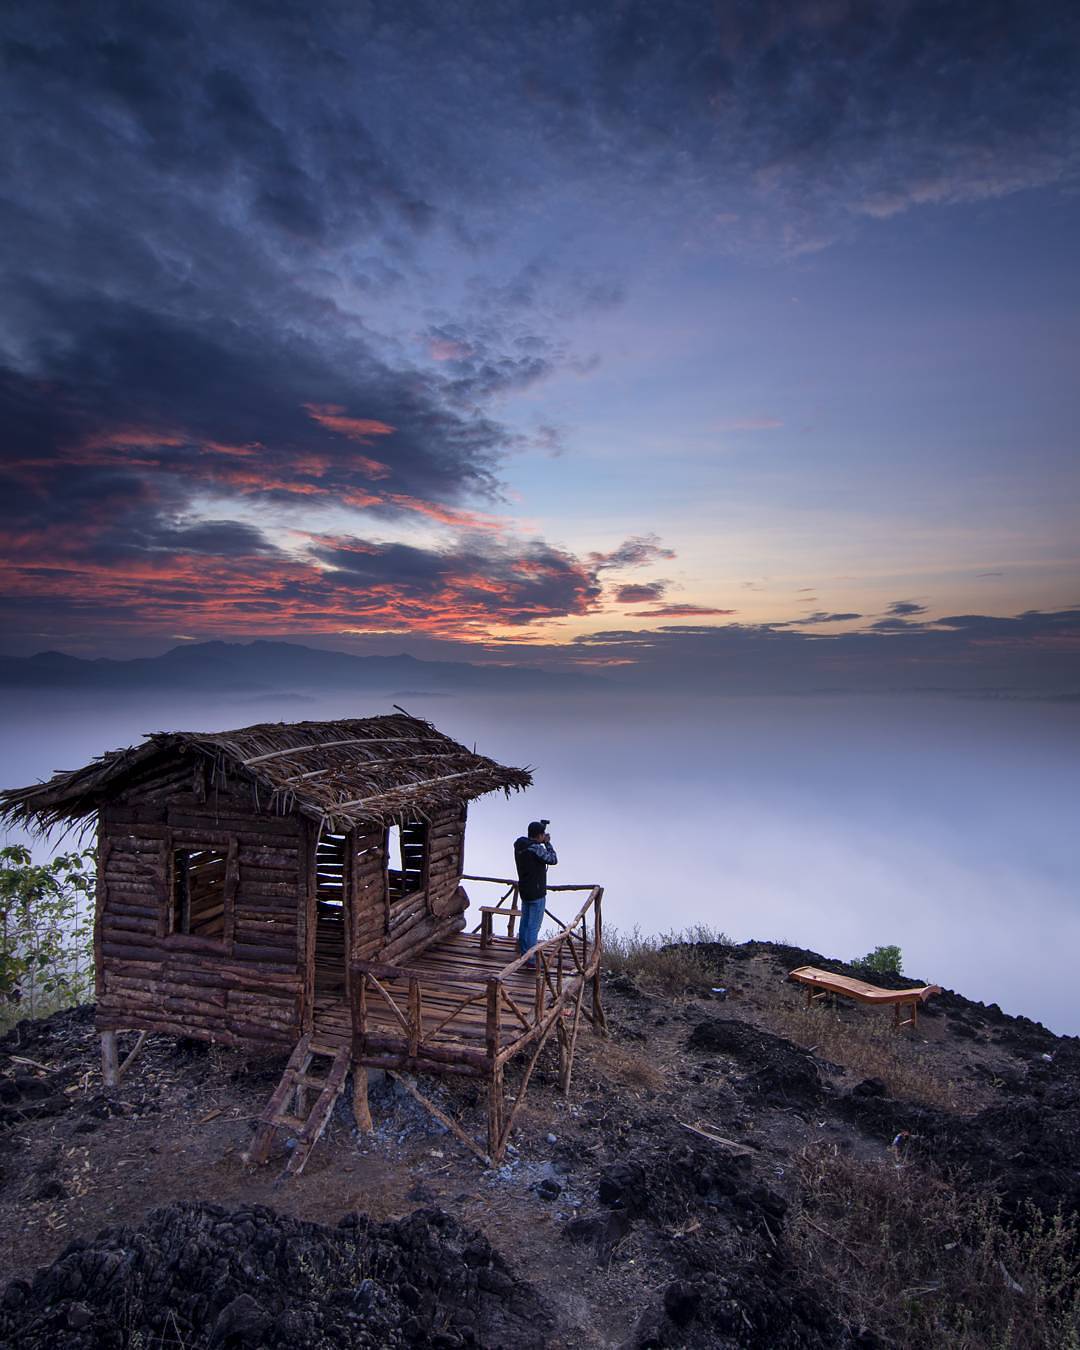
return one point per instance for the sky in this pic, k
(616, 337)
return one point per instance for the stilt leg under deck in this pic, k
(361, 1108)
(496, 1106)
(110, 1059)
(599, 1021)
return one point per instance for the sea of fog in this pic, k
(946, 826)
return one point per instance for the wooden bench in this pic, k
(820, 983)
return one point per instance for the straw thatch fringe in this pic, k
(341, 774)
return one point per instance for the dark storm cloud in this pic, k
(640, 593)
(680, 611)
(475, 582)
(640, 551)
(819, 616)
(158, 574)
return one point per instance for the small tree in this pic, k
(883, 961)
(46, 929)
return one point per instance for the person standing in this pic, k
(534, 855)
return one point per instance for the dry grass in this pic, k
(922, 1262)
(666, 963)
(868, 1045)
(620, 1065)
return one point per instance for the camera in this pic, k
(545, 823)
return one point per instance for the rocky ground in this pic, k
(659, 1205)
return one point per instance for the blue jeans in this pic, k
(532, 916)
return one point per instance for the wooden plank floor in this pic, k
(451, 971)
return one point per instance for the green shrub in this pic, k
(46, 932)
(882, 960)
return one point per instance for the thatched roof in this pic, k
(342, 774)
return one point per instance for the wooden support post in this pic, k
(485, 928)
(110, 1067)
(495, 1114)
(566, 1058)
(361, 1107)
(495, 1085)
(599, 1021)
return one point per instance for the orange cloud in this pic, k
(447, 515)
(333, 417)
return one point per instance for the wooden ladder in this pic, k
(287, 1108)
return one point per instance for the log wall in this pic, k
(398, 929)
(247, 985)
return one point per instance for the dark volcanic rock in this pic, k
(1025, 1147)
(779, 1071)
(206, 1278)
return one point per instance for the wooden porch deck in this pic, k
(451, 971)
(466, 1005)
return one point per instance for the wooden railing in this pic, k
(564, 962)
(486, 1017)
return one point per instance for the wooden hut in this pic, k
(300, 885)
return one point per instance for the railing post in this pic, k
(485, 929)
(494, 1012)
(599, 1021)
(513, 905)
(538, 1001)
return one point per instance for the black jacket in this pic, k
(533, 857)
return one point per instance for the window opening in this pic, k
(331, 856)
(199, 892)
(330, 872)
(406, 853)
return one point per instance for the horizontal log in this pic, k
(407, 1065)
(273, 956)
(174, 1004)
(285, 890)
(270, 927)
(273, 913)
(282, 936)
(376, 1044)
(276, 1001)
(123, 865)
(132, 911)
(401, 931)
(123, 824)
(162, 988)
(253, 874)
(403, 910)
(152, 891)
(275, 857)
(255, 1031)
(233, 822)
(128, 923)
(232, 974)
(130, 951)
(433, 930)
(106, 1021)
